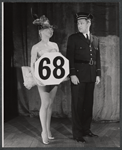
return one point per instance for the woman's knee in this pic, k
(51, 104)
(45, 104)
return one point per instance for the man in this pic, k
(84, 58)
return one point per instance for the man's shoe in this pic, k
(80, 139)
(90, 134)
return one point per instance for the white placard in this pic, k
(51, 68)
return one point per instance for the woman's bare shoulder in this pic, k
(36, 47)
(53, 43)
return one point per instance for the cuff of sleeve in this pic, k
(72, 71)
(99, 72)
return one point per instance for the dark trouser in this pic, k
(82, 104)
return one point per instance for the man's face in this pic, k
(83, 25)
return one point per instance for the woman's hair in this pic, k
(42, 23)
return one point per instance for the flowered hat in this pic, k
(43, 22)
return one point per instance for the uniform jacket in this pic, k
(80, 52)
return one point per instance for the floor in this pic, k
(25, 132)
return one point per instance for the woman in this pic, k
(47, 93)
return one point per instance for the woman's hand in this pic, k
(74, 79)
(32, 68)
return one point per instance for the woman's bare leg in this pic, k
(43, 111)
(49, 111)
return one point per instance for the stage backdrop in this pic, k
(105, 26)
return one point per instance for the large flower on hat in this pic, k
(43, 22)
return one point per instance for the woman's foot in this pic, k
(44, 138)
(50, 137)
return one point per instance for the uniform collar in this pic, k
(91, 37)
(80, 33)
(88, 33)
(84, 34)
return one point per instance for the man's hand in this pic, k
(97, 80)
(74, 79)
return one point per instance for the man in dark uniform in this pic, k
(84, 58)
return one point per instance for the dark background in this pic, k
(20, 34)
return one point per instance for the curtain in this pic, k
(105, 25)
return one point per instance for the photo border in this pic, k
(2, 74)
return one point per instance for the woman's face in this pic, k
(48, 32)
(83, 25)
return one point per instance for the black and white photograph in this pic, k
(61, 74)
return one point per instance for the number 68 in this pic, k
(55, 70)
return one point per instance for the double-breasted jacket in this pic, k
(84, 57)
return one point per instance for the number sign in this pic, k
(51, 68)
